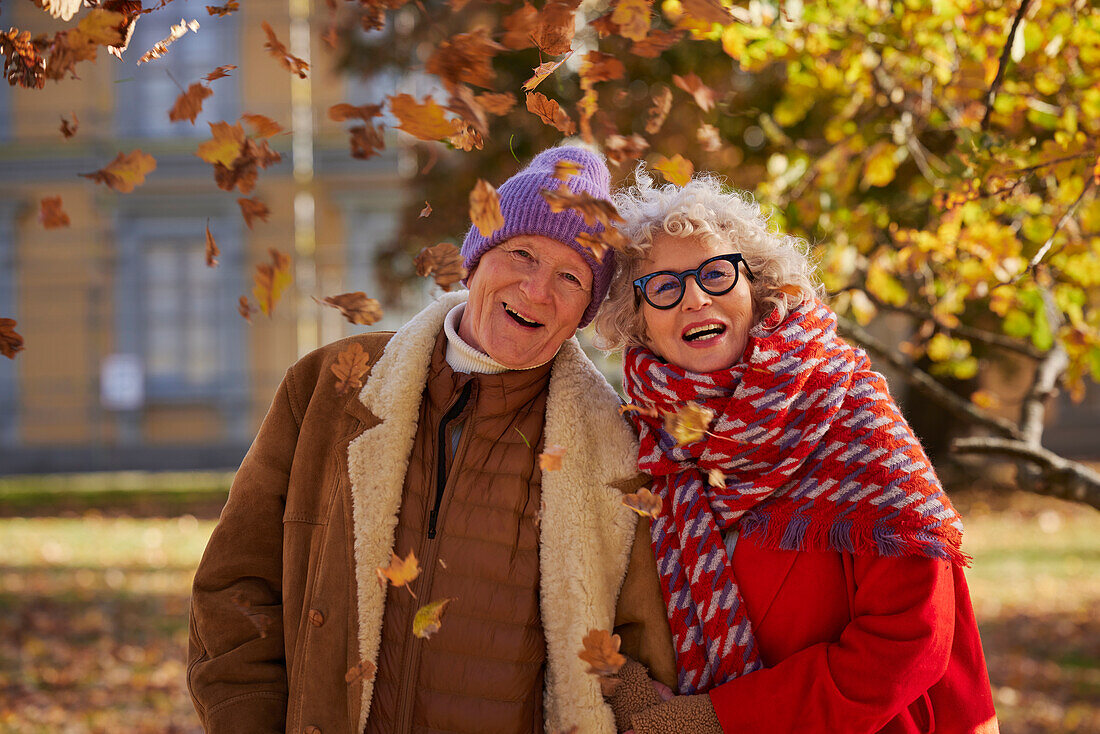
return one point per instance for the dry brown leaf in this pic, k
(189, 104)
(707, 11)
(466, 57)
(426, 211)
(693, 85)
(628, 408)
(716, 478)
(656, 114)
(468, 139)
(401, 572)
(10, 341)
(68, 129)
(345, 111)
(520, 28)
(689, 423)
(550, 113)
(601, 652)
(235, 156)
(443, 262)
(542, 71)
(593, 244)
(253, 209)
(709, 138)
(600, 67)
(271, 279)
(225, 146)
(279, 52)
(50, 213)
(644, 502)
(485, 208)
(556, 26)
(212, 253)
(656, 43)
(676, 169)
(356, 307)
(125, 172)
(221, 71)
(620, 149)
(610, 238)
(231, 6)
(352, 365)
(496, 103)
(260, 620)
(604, 26)
(424, 121)
(551, 458)
(428, 618)
(566, 169)
(365, 141)
(161, 47)
(632, 17)
(594, 210)
(364, 670)
(262, 127)
(246, 309)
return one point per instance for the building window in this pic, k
(154, 86)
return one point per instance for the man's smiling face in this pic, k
(527, 296)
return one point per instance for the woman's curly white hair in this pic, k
(785, 275)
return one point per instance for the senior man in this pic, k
(438, 454)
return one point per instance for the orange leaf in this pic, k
(556, 26)
(225, 146)
(262, 127)
(542, 71)
(628, 408)
(365, 141)
(601, 652)
(356, 307)
(428, 618)
(600, 67)
(426, 211)
(125, 172)
(709, 138)
(345, 111)
(69, 129)
(566, 169)
(716, 478)
(549, 112)
(644, 502)
(707, 11)
(443, 262)
(161, 47)
(676, 169)
(465, 57)
(223, 10)
(271, 280)
(50, 213)
(363, 670)
(10, 341)
(496, 103)
(279, 52)
(655, 116)
(401, 572)
(632, 17)
(598, 245)
(212, 253)
(693, 85)
(520, 28)
(352, 364)
(591, 208)
(468, 139)
(253, 209)
(189, 104)
(485, 208)
(550, 459)
(620, 149)
(689, 423)
(221, 71)
(656, 43)
(424, 121)
(245, 309)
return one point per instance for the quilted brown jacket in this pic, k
(286, 607)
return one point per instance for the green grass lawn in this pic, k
(93, 617)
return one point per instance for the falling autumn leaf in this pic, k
(259, 620)
(220, 72)
(542, 71)
(676, 169)
(125, 172)
(426, 211)
(68, 129)
(244, 308)
(632, 17)
(707, 11)
(593, 209)
(709, 137)
(364, 670)
(554, 31)
(496, 103)
(644, 502)
(620, 149)
(608, 239)
(424, 121)
(428, 618)
(566, 169)
(10, 341)
(401, 572)
(189, 104)
(236, 156)
(352, 364)
(551, 458)
(271, 280)
(689, 423)
(279, 52)
(693, 85)
(656, 114)
(465, 57)
(262, 126)
(550, 113)
(485, 208)
(161, 47)
(443, 262)
(656, 43)
(601, 652)
(231, 6)
(212, 253)
(628, 408)
(253, 209)
(520, 27)
(356, 307)
(50, 213)
(345, 111)
(600, 67)
(716, 478)
(225, 145)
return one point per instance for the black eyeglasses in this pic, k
(716, 276)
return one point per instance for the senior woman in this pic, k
(808, 557)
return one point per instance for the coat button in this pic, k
(316, 619)
(312, 730)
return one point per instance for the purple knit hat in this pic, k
(526, 212)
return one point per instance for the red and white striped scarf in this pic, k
(816, 456)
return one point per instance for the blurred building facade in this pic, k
(135, 355)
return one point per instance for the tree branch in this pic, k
(1006, 54)
(918, 378)
(1068, 480)
(1044, 385)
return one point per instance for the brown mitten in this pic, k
(677, 715)
(633, 694)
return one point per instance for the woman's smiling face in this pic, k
(701, 333)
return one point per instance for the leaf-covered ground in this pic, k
(93, 615)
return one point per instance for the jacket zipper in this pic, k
(441, 454)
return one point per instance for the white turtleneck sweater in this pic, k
(464, 358)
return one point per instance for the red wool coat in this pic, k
(857, 644)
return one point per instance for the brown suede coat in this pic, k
(286, 609)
